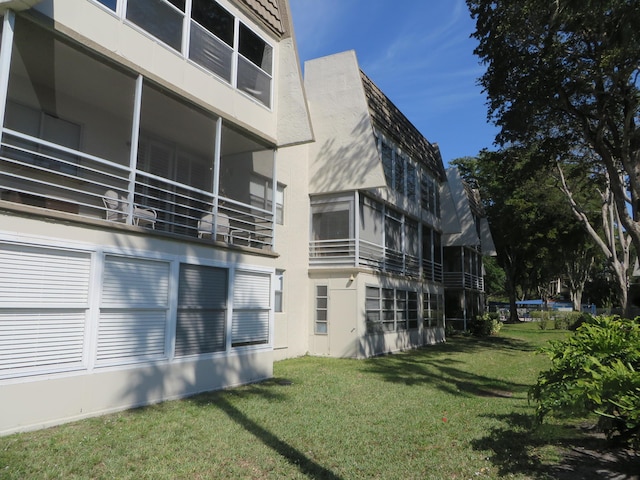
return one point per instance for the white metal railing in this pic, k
(432, 270)
(43, 174)
(342, 252)
(463, 280)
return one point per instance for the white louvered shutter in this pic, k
(44, 296)
(133, 310)
(251, 308)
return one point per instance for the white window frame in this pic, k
(239, 19)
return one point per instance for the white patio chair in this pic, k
(205, 227)
(116, 211)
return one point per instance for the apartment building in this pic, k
(179, 208)
(467, 239)
(375, 249)
(141, 200)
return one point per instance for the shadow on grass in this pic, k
(434, 366)
(294, 456)
(518, 449)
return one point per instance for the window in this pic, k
(202, 305)
(429, 194)
(432, 309)
(393, 230)
(322, 304)
(260, 194)
(251, 303)
(110, 4)
(133, 310)
(161, 18)
(372, 309)
(331, 221)
(211, 42)
(387, 162)
(211, 37)
(278, 293)
(43, 309)
(411, 181)
(399, 173)
(389, 310)
(412, 309)
(254, 66)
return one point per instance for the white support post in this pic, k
(274, 192)
(133, 153)
(356, 227)
(6, 45)
(216, 176)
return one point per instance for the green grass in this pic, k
(456, 410)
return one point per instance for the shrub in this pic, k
(542, 317)
(596, 370)
(485, 325)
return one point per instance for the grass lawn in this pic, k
(453, 411)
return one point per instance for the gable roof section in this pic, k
(269, 12)
(392, 122)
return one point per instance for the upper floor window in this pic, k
(429, 194)
(331, 220)
(215, 39)
(399, 170)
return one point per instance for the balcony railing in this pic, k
(342, 252)
(463, 280)
(47, 175)
(432, 271)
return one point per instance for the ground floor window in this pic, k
(53, 319)
(278, 292)
(433, 309)
(202, 306)
(321, 309)
(389, 310)
(44, 301)
(134, 310)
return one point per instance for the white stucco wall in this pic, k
(292, 245)
(344, 156)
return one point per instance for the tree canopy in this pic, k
(563, 75)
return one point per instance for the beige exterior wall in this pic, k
(345, 156)
(292, 245)
(347, 330)
(43, 402)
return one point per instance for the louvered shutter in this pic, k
(202, 304)
(251, 308)
(133, 310)
(44, 296)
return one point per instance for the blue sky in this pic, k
(420, 55)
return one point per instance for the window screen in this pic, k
(202, 304)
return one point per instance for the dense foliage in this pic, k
(485, 325)
(596, 370)
(561, 81)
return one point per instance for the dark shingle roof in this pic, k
(268, 11)
(393, 123)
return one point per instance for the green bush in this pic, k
(485, 325)
(596, 370)
(542, 317)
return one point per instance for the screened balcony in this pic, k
(463, 269)
(83, 136)
(374, 236)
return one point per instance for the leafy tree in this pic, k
(563, 76)
(530, 221)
